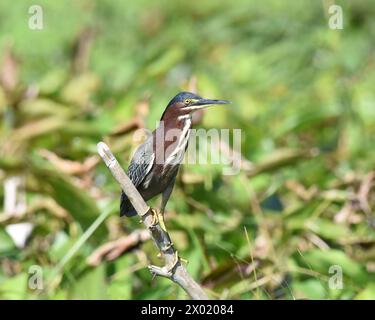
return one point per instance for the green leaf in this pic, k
(6, 243)
(322, 260)
(327, 229)
(367, 294)
(15, 287)
(91, 285)
(310, 289)
(119, 289)
(66, 194)
(60, 246)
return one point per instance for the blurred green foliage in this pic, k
(303, 96)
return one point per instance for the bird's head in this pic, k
(185, 103)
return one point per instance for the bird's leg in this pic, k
(177, 258)
(184, 260)
(175, 261)
(161, 220)
(165, 197)
(155, 217)
(160, 217)
(166, 271)
(164, 200)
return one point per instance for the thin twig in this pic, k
(173, 268)
(113, 249)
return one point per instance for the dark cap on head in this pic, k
(180, 97)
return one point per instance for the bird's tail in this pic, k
(126, 208)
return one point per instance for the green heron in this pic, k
(155, 164)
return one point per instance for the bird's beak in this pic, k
(204, 103)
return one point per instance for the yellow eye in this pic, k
(187, 101)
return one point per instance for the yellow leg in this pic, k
(161, 221)
(184, 260)
(158, 217)
(155, 217)
(175, 261)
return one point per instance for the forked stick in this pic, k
(173, 269)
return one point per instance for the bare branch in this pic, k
(173, 268)
(113, 249)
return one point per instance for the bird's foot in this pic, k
(186, 261)
(161, 221)
(166, 271)
(157, 217)
(174, 262)
(165, 249)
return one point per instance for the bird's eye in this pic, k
(187, 101)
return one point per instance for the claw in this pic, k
(161, 221)
(175, 261)
(155, 217)
(166, 271)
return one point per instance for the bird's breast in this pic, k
(169, 147)
(175, 151)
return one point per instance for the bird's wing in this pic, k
(140, 165)
(142, 162)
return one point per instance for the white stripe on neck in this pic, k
(179, 151)
(184, 116)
